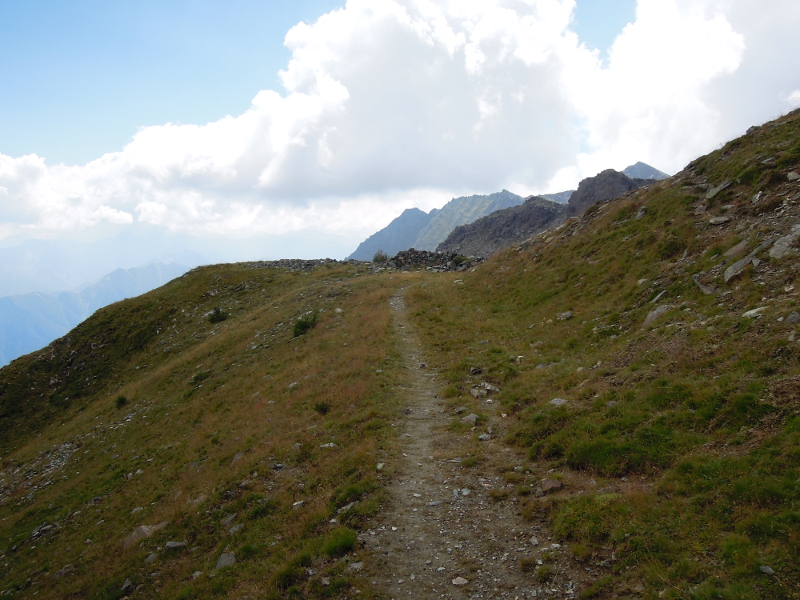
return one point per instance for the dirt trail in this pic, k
(441, 525)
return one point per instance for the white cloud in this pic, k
(388, 103)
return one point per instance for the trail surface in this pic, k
(443, 536)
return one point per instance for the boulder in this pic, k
(142, 532)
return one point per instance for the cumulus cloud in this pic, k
(394, 103)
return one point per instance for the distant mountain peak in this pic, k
(642, 170)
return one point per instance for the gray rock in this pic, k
(793, 318)
(706, 289)
(330, 445)
(173, 545)
(783, 246)
(557, 402)
(461, 409)
(641, 213)
(699, 210)
(235, 529)
(229, 519)
(739, 266)
(484, 437)
(151, 558)
(325, 580)
(767, 570)
(196, 574)
(549, 485)
(128, 584)
(658, 297)
(736, 250)
(564, 316)
(656, 313)
(534, 541)
(756, 312)
(475, 371)
(471, 419)
(612, 403)
(226, 559)
(719, 220)
(142, 532)
(793, 176)
(465, 491)
(710, 195)
(489, 387)
(478, 393)
(357, 566)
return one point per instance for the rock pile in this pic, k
(431, 261)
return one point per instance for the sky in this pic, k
(243, 118)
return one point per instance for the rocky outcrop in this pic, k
(398, 235)
(431, 261)
(604, 186)
(504, 228)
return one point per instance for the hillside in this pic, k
(29, 322)
(503, 228)
(609, 409)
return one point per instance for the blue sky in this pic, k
(80, 77)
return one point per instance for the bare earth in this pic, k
(442, 535)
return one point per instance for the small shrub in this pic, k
(340, 542)
(217, 315)
(121, 401)
(380, 257)
(304, 324)
(322, 408)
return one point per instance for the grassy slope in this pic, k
(679, 440)
(209, 414)
(698, 412)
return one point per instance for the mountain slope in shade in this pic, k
(644, 171)
(605, 185)
(29, 322)
(398, 235)
(503, 228)
(460, 211)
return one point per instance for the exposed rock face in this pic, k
(603, 186)
(503, 228)
(398, 235)
(461, 211)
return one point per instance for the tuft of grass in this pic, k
(304, 324)
(341, 541)
(120, 401)
(217, 315)
(322, 408)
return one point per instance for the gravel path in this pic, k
(442, 535)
